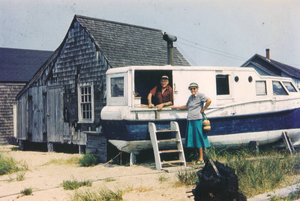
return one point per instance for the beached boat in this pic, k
(245, 105)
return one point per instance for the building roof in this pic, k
(129, 45)
(121, 44)
(19, 65)
(271, 65)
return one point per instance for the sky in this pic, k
(209, 32)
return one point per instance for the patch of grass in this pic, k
(26, 191)
(187, 177)
(109, 179)
(20, 176)
(70, 161)
(89, 160)
(8, 165)
(15, 148)
(228, 154)
(104, 194)
(143, 189)
(162, 178)
(72, 185)
(260, 176)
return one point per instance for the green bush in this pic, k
(7, 165)
(89, 160)
(27, 191)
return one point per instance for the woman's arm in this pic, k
(207, 103)
(183, 107)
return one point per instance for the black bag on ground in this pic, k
(217, 182)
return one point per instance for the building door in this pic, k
(55, 118)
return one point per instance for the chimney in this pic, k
(268, 54)
(170, 39)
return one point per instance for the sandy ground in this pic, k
(141, 181)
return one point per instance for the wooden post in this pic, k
(81, 149)
(288, 143)
(254, 146)
(132, 159)
(121, 157)
(21, 145)
(50, 147)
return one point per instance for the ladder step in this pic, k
(166, 131)
(171, 136)
(172, 162)
(168, 140)
(170, 151)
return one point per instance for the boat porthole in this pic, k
(250, 78)
(236, 78)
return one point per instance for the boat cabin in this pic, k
(129, 87)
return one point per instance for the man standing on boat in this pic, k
(162, 94)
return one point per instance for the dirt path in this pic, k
(45, 178)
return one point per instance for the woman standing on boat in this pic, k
(194, 136)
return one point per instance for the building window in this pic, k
(278, 89)
(261, 89)
(117, 87)
(86, 104)
(290, 87)
(222, 82)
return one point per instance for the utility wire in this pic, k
(187, 56)
(224, 55)
(210, 50)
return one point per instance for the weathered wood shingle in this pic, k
(129, 45)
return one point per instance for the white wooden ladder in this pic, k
(160, 142)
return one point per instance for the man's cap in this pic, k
(164, 77)
(193, 84)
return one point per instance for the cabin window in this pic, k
(290, 87)
(86, 99)
(222, 84)
(278, 89)
(261, 88)
(117, 87)
(236, 78)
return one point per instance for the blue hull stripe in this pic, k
(130, 130)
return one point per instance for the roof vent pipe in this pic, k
(268, 54)
(170, 39)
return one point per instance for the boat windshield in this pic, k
(290, 86)
(278, 88)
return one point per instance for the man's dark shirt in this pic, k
(159, 98)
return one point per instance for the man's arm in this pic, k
(150, 100)
(160, 106)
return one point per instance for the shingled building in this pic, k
(65, 96)
(17, 66)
